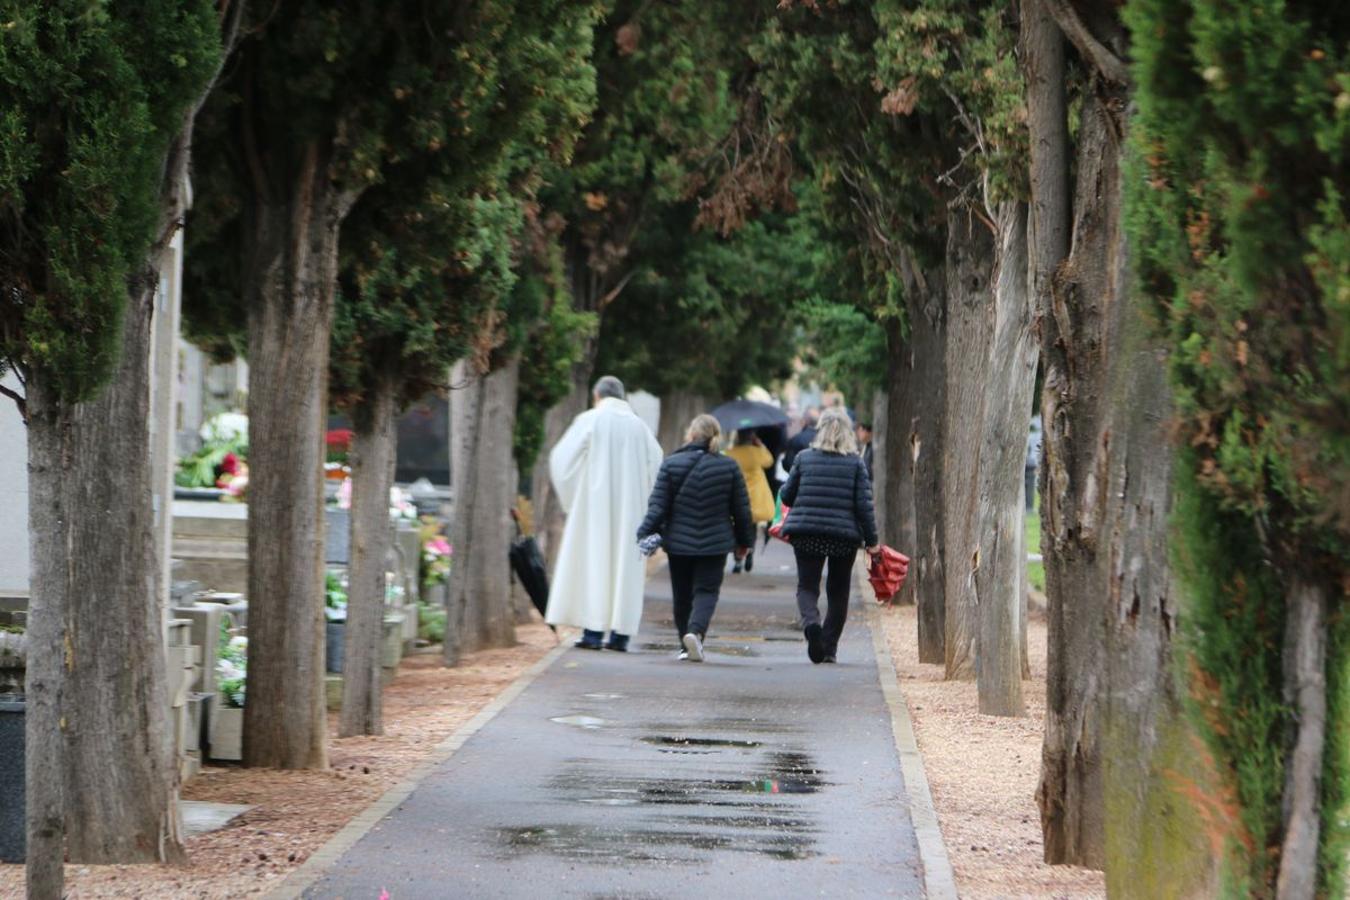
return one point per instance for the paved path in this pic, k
(613, 775)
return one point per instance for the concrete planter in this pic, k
(391, 650)
(227, 733)
(13, 833)
(335, 643)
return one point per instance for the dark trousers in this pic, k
(695, 582)
(838, 583)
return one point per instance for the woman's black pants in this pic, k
(838, 583)
(695, 582)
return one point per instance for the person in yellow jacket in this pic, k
(753, 458)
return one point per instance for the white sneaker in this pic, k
(682, 655)
(693, 645)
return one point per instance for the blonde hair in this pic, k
(705, 428)
(834, 433)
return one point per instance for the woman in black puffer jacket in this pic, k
(701, 509)
(831, 516)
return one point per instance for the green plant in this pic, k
(334, 598)
(431, 623)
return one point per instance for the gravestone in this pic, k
(12, 828)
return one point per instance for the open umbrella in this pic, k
(740, 414)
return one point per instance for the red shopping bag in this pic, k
(887, 572)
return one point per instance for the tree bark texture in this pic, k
(970, 327)
(1000, 577)
(892, 459)
(482, 419)
(1112, 720)
(928, 329)
(1305, 690)
(548, 514)
(290, 283)
(100, 757)
(678, 409)
(373, 447)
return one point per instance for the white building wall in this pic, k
(13, 496)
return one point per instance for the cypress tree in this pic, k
(93, 133)
(1238, 204)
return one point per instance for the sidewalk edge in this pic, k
(938, 878)
(297, 882)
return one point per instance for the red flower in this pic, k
(229, 465)
(339, 438)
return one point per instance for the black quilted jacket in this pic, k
(712, 512)
(830, 494)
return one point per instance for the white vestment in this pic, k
(603, 469)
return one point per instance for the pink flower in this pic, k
(440, 546)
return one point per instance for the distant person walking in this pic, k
(864, 434)
(754, 459)
(702, 512)
(603, 468)
(831, 516)
(802, 439)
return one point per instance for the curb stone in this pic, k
(938, 878)
(300, 880)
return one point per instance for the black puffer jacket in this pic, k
(711, 513)
(831, 495)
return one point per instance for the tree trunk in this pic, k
(1000, 576)
(970, 325)
(892, 459)
(678, 409)
(290, 285)
(482, 418)
(373, 446)
(548, 514)
(928, 318)
(1305, 691)
(96, 672)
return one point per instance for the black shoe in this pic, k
(736, 569)
(749, 560)
(617, 642)
(814, 649)
(829, 658)
(590, 640)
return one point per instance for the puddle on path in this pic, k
(647, 845)
(602, 696)
(664, 740)
(580, 721)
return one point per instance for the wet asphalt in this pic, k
(754, 774)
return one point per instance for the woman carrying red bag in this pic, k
(831, 516)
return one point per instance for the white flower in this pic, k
(225, 427)
(238, 642)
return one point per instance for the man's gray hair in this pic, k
(609, 386)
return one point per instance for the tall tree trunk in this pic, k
(290, 283)
(928, 319)
(482, 410)
(548, 514)
(1305, 691)
(970, 325)
(892, 457)
(678, 409)
(100, 767)
(373, 447)
(1000, 575)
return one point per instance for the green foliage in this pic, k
(845, 348)
(94, 93)
(431, 621)
(1239, 218)
(429, 254)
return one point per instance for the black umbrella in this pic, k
(528, 564)
(740, 414)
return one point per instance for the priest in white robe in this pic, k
(603, 470)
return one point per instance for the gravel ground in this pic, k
(983, 772)
(296, 812)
